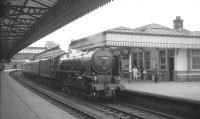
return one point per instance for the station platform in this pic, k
(185, 91)
(17, 102)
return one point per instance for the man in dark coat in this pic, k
(156, 73)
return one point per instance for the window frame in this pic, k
(165, 58)
(147, 59)
(193, 56)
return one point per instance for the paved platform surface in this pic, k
(189, 91)
(18, 102)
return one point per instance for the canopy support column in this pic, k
(130, 64)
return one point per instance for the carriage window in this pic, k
(195, 59)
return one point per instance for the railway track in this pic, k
(64, 105)
(85, 109)
(137, 112)
(124, 111)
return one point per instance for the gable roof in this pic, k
(122, 29)
(156, 29)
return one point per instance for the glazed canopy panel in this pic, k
(17, 17)
(26, 21)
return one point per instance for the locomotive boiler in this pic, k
(93, 74)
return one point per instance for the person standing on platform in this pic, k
(156, 73)
(145, 74)
(135, 73)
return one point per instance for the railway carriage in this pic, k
(31, 68)
(34, 67)
(26, 68)
(46, 68)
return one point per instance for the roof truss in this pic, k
(23, 22)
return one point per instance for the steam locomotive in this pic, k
(94, 74)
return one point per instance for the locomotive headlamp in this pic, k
(95, 79)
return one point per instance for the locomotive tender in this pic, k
(91, 73)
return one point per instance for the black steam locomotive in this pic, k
(91, 73)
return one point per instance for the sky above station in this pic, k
(127, 13)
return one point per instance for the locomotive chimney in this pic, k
(178, 23)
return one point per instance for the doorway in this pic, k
(171, 68)
(171, 64)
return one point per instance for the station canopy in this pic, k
(23, 22)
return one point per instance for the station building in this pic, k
(176, 51)
(24, 56)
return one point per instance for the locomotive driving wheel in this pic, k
(65, 87)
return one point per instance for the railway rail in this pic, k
(137, 112)
(84, 108)
(66, 106)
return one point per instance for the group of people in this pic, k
(136, 74)
(142, 73)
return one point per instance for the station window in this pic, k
(195, 58)
(162, 59)
(134, 59)
(141, 59)
(147, 60)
